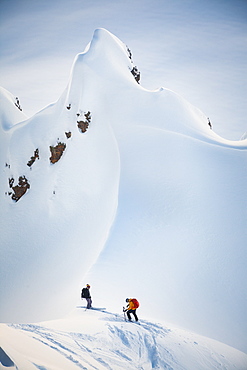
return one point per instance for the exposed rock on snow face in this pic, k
(68, 134)
(17, 104)
(83, 125)
(20, 189)
(10, 113)
(136, 74)
(33, 158)
(57, 152)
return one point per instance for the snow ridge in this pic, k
(111, 179)
(104, 340)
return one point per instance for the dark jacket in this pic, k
(85, 293)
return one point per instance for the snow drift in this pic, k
(137, 175)
(102, 340)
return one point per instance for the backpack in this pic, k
(83, 293)
(135, 302)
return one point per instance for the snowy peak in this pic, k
(105, 64)
(135, 174)
(106, 50)
(56, 164)
(105, 44)
(104, 75)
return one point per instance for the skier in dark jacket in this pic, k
(85, 293)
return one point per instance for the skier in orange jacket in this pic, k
(132, 305)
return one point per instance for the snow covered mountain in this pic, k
(103, 340)
(128, 189)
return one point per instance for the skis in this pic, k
(134, 322)
(93, 308)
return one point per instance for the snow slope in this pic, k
(58, 228)
(149, 186)
(103, 340)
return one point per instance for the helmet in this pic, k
(88, 286)
(127, 300)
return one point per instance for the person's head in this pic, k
(127, 299)
(88, 286)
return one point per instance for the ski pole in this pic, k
(124, 314)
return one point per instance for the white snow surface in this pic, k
(148, 202)
(103, 340)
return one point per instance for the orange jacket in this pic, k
(131, 306)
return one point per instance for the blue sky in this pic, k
(198, 48)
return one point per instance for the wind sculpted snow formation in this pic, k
(134, 174)
(103, 340)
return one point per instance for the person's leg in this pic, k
(89, 302)
(135, 315)
(128, 314)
